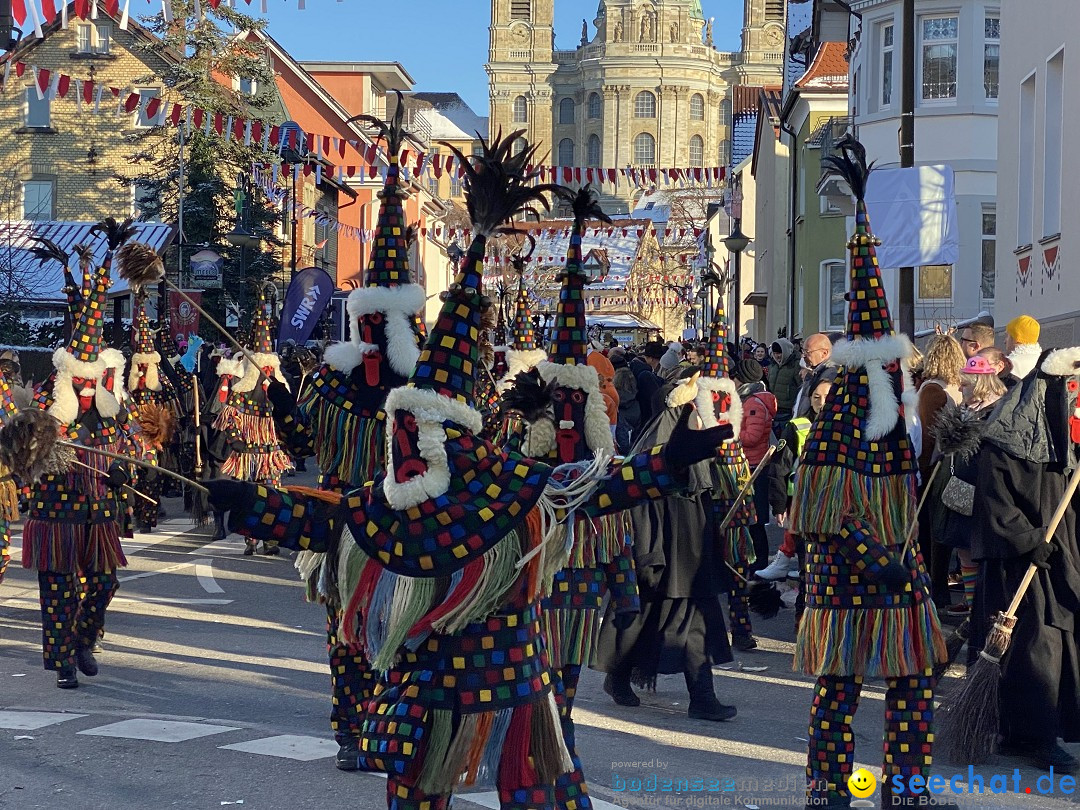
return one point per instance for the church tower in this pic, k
(520, 65)
(763, 26)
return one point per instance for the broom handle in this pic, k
(198, 425)
(100, 474)
(918, 509)
(129, 460)
(1055, 521)
(742, 494)
(250, 357)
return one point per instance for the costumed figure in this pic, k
(246, 422)
(718, 402)
(868, 608)
(1028, 454)
(340, 420)
(217, 409)
(444, 555)
(155, 402)
(681, 624)
(76, 518)
(574, 427)
(522, 354)
(9, 491)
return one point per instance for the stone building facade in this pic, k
(645, 86)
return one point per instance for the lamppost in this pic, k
(737, 242)
(241, 236)
(292, 158)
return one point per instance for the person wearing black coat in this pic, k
(1028, 453)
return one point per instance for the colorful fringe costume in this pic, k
(445, 556)
(340, 420)
(9, 493)
(868, 607)
(147, 386)
(718, 402)
(75, 521)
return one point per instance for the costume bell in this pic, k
(445, 554)
(868, 607)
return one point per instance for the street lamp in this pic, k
(293, 158)
(737, 242)
(240, 236)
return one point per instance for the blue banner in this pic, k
(306, 300)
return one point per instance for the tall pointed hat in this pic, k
(142, 333)
(567, 365)
(260, 342)
(146, 354)
(523, 354)
(858, 459)
(718, 400)
(440, 390)
(7, 400)
(388, 288)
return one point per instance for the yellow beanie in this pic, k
(1023, 329)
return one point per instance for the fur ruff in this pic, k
(1063, 362)
(344, 357)
(153, 377)
(399, 305)
(431, 411)
(871, 355)
(703, 403)
(252, 374)
(539, 438)
(958, 430)
(65, 405)
(517, 361)
(683, 394)
(230, 368)
(597, 425)
(1024, 359)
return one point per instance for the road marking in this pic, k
(288, 746)
(204, 572)
(170, 731)
(169, 600)
(30, 721)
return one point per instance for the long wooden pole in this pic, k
(129, 460)
(743, 491)
(126, 488)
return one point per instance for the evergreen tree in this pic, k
(210, 64)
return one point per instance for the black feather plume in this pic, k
(116, 233)
(959, 430)
(499, 185)
(521, 258)
(392, 131)
(586, 204)
(529, 395)
(47, 250)
(764, 599)
(850, 165)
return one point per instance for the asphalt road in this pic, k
(213, 692)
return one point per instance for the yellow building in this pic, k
(645, 87)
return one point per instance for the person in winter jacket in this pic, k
(1022, 345)
(648, 381)
(784, 380)
(759, 408)
(629, 408)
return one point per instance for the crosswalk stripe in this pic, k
(170, 731)
(287, 746)
(30, 721)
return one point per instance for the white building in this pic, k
(956, 101)
(1039, 179)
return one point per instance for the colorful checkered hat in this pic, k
(88, 329)
(260, 340)
(7, 400)
(389, 263)
(868, 311)
(522, 330)
(143, 335)
(716, 362)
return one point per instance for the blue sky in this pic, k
(443, 44)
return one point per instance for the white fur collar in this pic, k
(399, 305)
(65, 405)
(684, 392)
(230, 368)
(1024, 357)
(431, 410)
(872, 355)
(1063, 362)
(704, 403)
(153, 378)
(517, 361)
(252, 373)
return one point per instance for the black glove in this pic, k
(281, 398)
(624, 620)
(226, 495)
(895, 577)
(117, 476)
(1040, 557)
(686, 447)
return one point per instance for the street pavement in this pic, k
(214, 692)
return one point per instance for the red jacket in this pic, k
(758, 412)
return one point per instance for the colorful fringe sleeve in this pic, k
(622, 582)
(295, 434)
(643, 477)
(856, 542)
(294, 521)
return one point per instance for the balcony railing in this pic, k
(835, 129)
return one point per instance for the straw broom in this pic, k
(970, 724)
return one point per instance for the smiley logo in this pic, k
(862, 783)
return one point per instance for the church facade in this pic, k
(644, 87)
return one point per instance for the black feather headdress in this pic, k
(850, 165)
(530, 396)
(392, 131)
(116, 233)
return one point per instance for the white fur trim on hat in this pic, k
(252, 374)
(230, 368)
(584, 377)
(517, 361)
(704, 404)
(344, 357)
(399, 305)
(857, 353)
(153, 378)
(872, 355)
(65, 406)
(1063, 362)
(431, 410)
(684, 393)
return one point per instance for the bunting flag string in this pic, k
(331, 149)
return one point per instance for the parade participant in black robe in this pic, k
(1028, 454)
